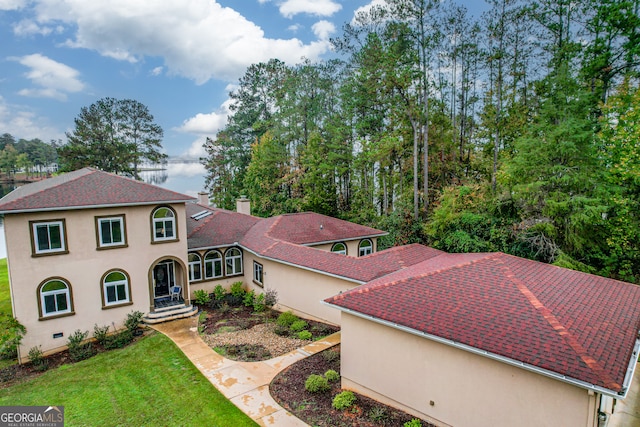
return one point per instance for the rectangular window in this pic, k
(111, 231)
(48, 237)
(258, 273)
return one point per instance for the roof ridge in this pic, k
(44, 188)
(557, 326)
(365, 288)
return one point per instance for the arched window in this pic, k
(365, 248)
(339, 248)
(164, 224)
(233, 261)
(212, 265)
(195, 268)
(116, 288)
(55, 298)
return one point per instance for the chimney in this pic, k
(243, 205)
(203, 198)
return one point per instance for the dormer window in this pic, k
(339, 248)
(365, 248)
(164, 225)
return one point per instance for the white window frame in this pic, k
(111, 220)
(48, 224)
(44, 294)
(341, 252)
(116, 283)
(195, 266)
(366, 250)
(258, 273)
(163, 221)
(213, 261)
(234, 260)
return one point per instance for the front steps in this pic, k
(177, 311)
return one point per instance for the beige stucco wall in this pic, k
(352, 246)
(410, 372)
(83, 267)
(300, 291)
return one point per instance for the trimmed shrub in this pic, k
(258, 304)
(286, 319)
(248, 298)
(304, 335)
(378, 414)
(237, 289)
(332, 376)
(270, 297)
(100, 333)
(133, 320)
(413, 423)
(118, 340)
(316, 384)
(78, 349)
(298, 325)
(219, 293)
(343, 400)
(201, 297)
(37, 359)
(280, 330)
(330, 355)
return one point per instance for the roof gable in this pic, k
(574, 324)
(85, 188)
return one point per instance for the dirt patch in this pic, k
(288, 389)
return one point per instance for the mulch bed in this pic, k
(14, 374)
(287, 388)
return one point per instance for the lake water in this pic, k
(186, 178)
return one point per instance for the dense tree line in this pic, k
(518, 131)
(33, 156)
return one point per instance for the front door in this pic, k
(163, 278)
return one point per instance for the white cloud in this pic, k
(323, 29)
(290, 8)
(207, 124)
(294, 28)
(157, 71)
(54, 78)
(22, 123)
(196, 149)
(28, 27)
(364, 10)
(186, 169)
(199, 39)
(12, 4)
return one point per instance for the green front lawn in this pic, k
(148, 383)
(5, 297)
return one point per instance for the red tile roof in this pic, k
(85, 188)
(219, 228)
(574, 324)
(312, 228)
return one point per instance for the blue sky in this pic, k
(179, 58)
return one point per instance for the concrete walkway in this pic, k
(246, 384)
(627, 411)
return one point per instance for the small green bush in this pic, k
(343, 400)
(332, 376)
(298, 325)
(330, 355)
(316, 384)
(286, 319)
(37, 360)
(258, 304)
(118, 340)
(219, 293)
(270, 297)
(248, 298)
(237, 290)
(78, 349)
(11, 334)
(280, 330)
(133, 320)
(378, 414)
(304, 335)
(201, 297)
(100, 333)
(413, 423)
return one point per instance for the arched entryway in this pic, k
(165, 274)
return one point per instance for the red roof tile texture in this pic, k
(219, 228)
(84, 188)
(575, 324)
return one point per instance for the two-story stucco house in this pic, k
(459, 339)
